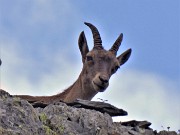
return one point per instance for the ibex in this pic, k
(98, 66)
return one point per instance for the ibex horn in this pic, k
(96, 36)
(116, 45)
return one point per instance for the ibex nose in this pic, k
(104, 78)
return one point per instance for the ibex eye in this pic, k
(89, 58)
(115, 69)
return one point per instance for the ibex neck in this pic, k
(75, 91)
(78, 90)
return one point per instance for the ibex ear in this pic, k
(124, 57)
(83, 47)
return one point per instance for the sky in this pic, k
(40, 55)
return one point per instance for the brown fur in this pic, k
(98, 66)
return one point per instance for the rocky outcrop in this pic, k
(167, 133)
(18, 117)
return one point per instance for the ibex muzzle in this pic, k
(100, 82)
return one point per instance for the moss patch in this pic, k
(43, 117)
(48, 131)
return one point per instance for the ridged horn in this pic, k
(96, 36)
(116, 44)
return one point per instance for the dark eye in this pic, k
(115, 69)
(89, 58)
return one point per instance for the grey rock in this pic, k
(98, 106)
(167, 133)
(134, 123)
(93, 105)
(19, 117)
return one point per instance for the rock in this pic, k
(98, 106)
(93, 105)
(167, 133)
(4, 94)
(134, 123)
(20, 117)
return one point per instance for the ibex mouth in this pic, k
(99, 88)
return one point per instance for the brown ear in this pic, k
(83, 47)
(124, 57)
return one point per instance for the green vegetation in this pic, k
(16, 101)
(48, 131)
(43, 117)
(61, 129)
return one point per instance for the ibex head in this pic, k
(99, 64)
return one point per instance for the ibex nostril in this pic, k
(104, 79)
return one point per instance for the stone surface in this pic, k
(167, 133)
(18, 117)
(134, 123)
(93, 105)
(98, 106)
